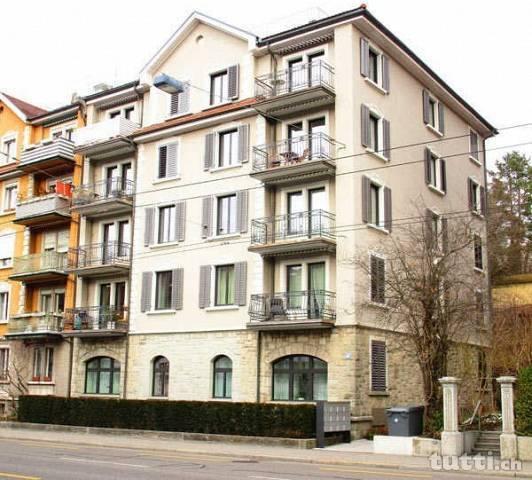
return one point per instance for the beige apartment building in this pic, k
(218, 225)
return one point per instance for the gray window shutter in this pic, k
(206, 217)
(388, 209)
(163, 155)
(177, 288)
(241, 273)
(364, 125)
(149, 225)
(378, 366)
(428, 176)
(364, 57)
(180, 221)
(242, 211)
(208, 156)
(386, 145)
(441, 118)
(145, 295)
(377, 278)
(445, 234)
(205, 286)
(482, 193)
(174, 103)
(243, 143)
(443, 175)
(426, 107)
(184, 100)
(233, 81)
(366, 204)
(385, 73)
(171, 160)
(429, 232)
(470, 199)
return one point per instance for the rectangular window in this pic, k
(477, 244)
(10, 197)
(166, 224)
(219, 88)
(163, 290)
(377, 274)
(479, 306)
(4, 364)
(43, 364)
(228, 148)
(114, 114)
(373, 73)
(128, 112)
(433, 112)
(9, 151)
(226, 212)
(475, 200)
(163, 161)
(436, 171)
(225, 285)
(4, 301)
(378, 366)
(375, 204)
(473, 144)
(374, 132)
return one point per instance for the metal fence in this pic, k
(36, 322)
(38, 262)
(116, 187)
(99, 254)
(102, 317)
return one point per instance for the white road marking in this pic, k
(268, 478)
(86, 460)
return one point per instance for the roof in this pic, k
(211, 112)
(23, 109)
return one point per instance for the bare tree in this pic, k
(430, 291)
(15, 382)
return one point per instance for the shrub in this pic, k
(523, 404)
(225, 418)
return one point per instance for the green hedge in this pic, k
(523, 403)
(226, 418)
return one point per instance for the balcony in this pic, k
(39, 267)
(50, 155)
(96, 321)
(112, 195)
(105, 139)
(43, 210)
(299, 87)
(304, 158)
(296, 233)
(310, 309)
(36, 325)
(100, 259)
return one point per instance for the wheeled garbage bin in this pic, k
(405, 421)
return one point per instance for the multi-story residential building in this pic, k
(215, 249)
(50, 168)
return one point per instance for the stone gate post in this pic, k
(452, 440)
(508, 436)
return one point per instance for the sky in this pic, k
(49, 50)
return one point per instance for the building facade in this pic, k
(218, 223)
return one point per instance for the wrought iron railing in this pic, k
(296, 306)
(39, 262)
(99, 254)
(310, 224)
(295, 78)
(294, 151)
(110, 188)
(102, 317)
(36, 322)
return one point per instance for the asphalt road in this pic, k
(38, 460)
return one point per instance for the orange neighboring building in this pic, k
(40, 289)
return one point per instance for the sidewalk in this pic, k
(349, 454)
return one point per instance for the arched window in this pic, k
(102, 376)
(300, 378)
(223, 376)
(161, 372)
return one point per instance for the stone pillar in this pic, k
(508, 436)
(452, 441)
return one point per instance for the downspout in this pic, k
(259, 355)
(140, 97)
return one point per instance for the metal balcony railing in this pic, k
(294, 151)
(295, 78)
(39, 262)
(310, 224)
(36, 322)
(297, 306)
(99, 254)
(107, 189)
(102, 317)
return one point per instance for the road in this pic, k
(39, 460)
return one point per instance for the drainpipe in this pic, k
(70, 367)
(259, 355)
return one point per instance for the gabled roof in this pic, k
(22, 109)
(183, 31)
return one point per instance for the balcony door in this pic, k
(104, 304)
(127, 178)
(124, 237)
(296, 75)
(294, 285)
(316, 289)
(318, 147)
(112, 184)
(317, 204)
(296, 142)
(108, 242)
(295, 213)
(315, 69)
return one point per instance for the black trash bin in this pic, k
(405, 421)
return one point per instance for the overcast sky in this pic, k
(480, 47)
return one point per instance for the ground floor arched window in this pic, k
(102, 376)
(161, 372)
(299, 378)
(223, 377)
